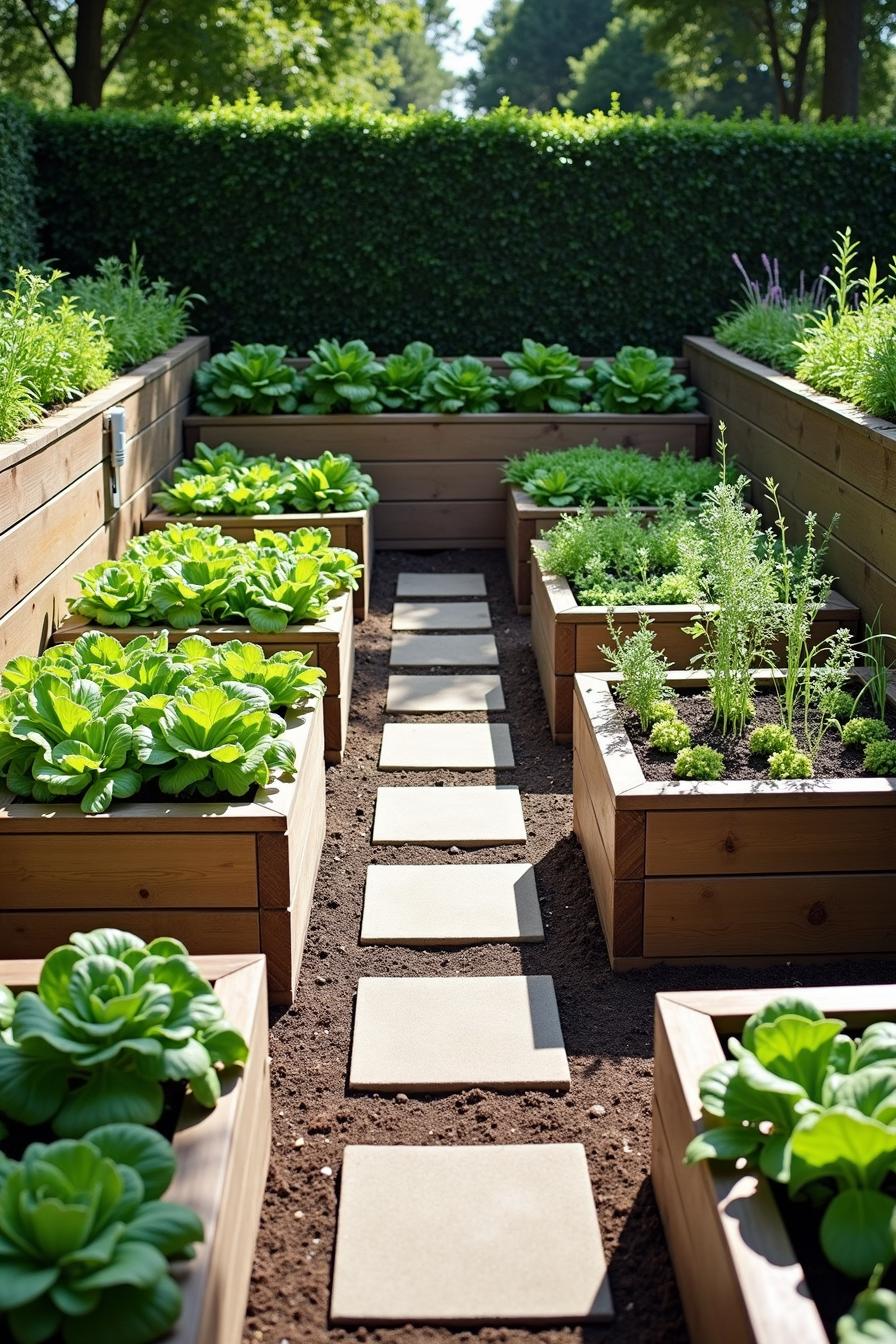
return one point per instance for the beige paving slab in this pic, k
(412, 650)
(441, 616)
(473, 816)
(437, 905)
(461, 693)
(447, 1033)
(440, 585)
(446, 746)
(502, 1234)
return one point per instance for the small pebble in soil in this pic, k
(455, 849)
(298, 1214)
(326, 1171)
(299, 1143)
(401, 1097)
(597, 1110)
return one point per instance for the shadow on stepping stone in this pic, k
(440, 585)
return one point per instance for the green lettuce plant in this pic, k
(86, 1239)
(466, 386)
(248, 379)
(545, 378)
(639, 381)
(400, 383)
(111, 1020)
(226, 481)
(327, 484)
(342, 378)
(97, 720)
(814, 1109)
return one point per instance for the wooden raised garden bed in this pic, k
(223, 877)
(526, 522)
(440, 476)
(737, 1271)
(826, 456)
(222, 1155)
(354, 531)
(729, 870)
(56, 512)
(331, 643)
(567, 638)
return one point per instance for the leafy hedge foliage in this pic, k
(18, 213)
(393, 227)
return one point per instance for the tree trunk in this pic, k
(87, 75)
(842, 36)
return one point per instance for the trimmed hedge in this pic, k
(18, 212)
(469, 234)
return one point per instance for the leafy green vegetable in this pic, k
(97, 720)
(224, 480)
(184, 575)
(466, 386)
(790, 764)
(342, 378)
(85, 1239)
(400, 383)
(545, 377)
(599, 476)
(880, 758)
(111, 1020)
(670, 735)
(870, 1320)
(327, 484)
(639, 381)
(700, 762)
(249, 380)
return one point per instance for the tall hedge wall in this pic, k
(18, 214)
(469, 234)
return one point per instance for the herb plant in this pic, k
(642, 669)
(699, 762)
(639, 381)
(466, 386)
(97, 720)
(670, 735)
(248, 380)
(814, 1109)
(85, 1239)
(142, 318)
(400, 383)
(622, 558)
(880, 758)
(182, 575)
(790, 764)
(111, 1020)
(771, 738)
(342, 378)
(859, 732)
(768, 320)
(545, 378)
(599, 476)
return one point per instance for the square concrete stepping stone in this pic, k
(410, 650)
(440, 585)
(427, 905)
(441, 616)
(447, 1033)
(465, 693)
(446, 746)
(472, 816)
(493, 1234)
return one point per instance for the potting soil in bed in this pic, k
(834, 760)
(606, 1019)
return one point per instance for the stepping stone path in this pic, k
(446, 746)
(461, 694)
(448, 1034)
(411, 650)
(505, 1234)
(426, 616)
(440, 585)
(428, 905)
(474, 816)
(457, 1235)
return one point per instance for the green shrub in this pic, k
(143, 318)
(699, 763)
(880, 758)
(859, 732)
(790, 764)
(465, 232)
(771, 738)
(670, 735)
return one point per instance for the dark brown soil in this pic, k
(607, 1020)
(834, 760)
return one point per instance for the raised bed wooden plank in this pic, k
(734, 869)
(273, 841)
